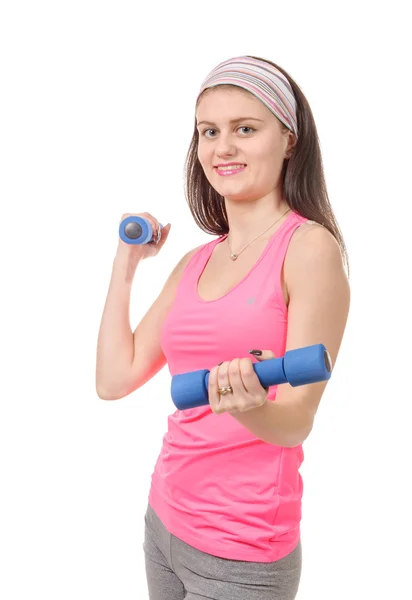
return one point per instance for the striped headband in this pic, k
(262, 80)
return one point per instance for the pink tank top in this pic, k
(215, 485)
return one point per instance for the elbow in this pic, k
(110, 389)
(113, 393)
(301, 437)
(105, 394)
(293, 440)
(295, 443)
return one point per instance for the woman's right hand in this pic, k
(143, 251)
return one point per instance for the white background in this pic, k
(97, 111)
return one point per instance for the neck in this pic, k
(247, 220)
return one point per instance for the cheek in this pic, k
(203, 155)
(268, 150)
(269, 158)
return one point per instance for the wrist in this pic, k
(253, 410)
(125, 263)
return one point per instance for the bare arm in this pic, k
(319, 301)
(126, 360)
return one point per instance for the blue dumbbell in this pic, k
(297, 367)
(136, 230)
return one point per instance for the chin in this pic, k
(239, 197)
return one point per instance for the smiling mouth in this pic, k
(231, 170)
(227, 167)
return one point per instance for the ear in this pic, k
(292, 139)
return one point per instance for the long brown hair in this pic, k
(304, 185)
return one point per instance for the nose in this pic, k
(225, 145)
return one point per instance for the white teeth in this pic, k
(231, 167)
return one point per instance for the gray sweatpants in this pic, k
(177, 571)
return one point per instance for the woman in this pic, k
(223, 519)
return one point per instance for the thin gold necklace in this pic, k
(235, 256)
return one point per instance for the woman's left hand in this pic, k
(240, 375)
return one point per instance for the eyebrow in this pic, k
(233, 120)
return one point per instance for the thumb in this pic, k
(165, 234)
(262, 354)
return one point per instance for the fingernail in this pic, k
(255, 352)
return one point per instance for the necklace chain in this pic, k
(235, 256)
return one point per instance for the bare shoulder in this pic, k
(313, 247)
(310, 233)
(172, 281)
(314, 259)
(191, 253)
(184, 261)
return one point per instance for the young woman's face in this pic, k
(236, 127)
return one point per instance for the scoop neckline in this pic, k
(253, 267)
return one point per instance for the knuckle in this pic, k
(212, 381)
(248, 372)
(221, 372)
(246, 365)
(248, 376)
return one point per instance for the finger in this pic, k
(264, 354)
(251, 380)
(214, 397)
(164, 234)
(156, 232)
(240, 400)
(235, 377)
(223, 403)
(223, 378)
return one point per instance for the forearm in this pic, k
(115, 345)
(281, 424)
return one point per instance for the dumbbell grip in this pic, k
(297, 367)
(270, 372)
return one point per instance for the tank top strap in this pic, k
(276, 254)
(283, 236)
